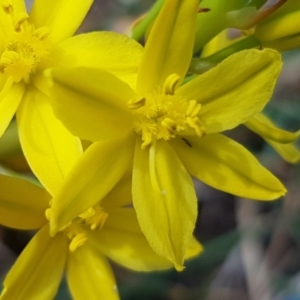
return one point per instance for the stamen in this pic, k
(170, 84)
(42, 32)
(78, 241)
(196, 124)
(8, 6)
(193, 108)
(88, 213)
(136, 103)
(146, 138)
(95, 217)
(100, 220)
(22, 50)
(169, 124)
(165, 114)
(20, 20)
(8, 57)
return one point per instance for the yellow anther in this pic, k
(78, 241)
(193, 108)
(136, 103)
(147, 139)
(42, 32)
(8, 57)
(99, 220)
(169, 124)
(8, 6)
(48, 213)
(88, 213)
(20, 20)
(170, 84)
(196, 124)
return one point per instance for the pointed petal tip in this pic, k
(275, 195)
(281, 191)
(179, 268)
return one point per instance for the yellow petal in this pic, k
(226, 165)
(120, 195)
(22, 204)
(122, 240)
(263, 126)
(194, 249)
(169, 46)
(236, 89)
(50, 149)
(288, 152)
(35, 275)
(103, 165)
(280, 140)
(89, 275)
(92, 103)
(110, 51)
(10, 98)
(63, 17)
(165, 200)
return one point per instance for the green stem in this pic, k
(140, 29)
(199, 66)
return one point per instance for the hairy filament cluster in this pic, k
(76, 230)
(162, 114)
(23, 46)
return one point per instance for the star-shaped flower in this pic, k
(165, 131)
(79, 249)
(31, 43)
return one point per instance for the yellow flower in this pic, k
(29, 44)
(165, 131)
(79, 249)
(283, 142)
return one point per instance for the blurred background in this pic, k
(252, 248)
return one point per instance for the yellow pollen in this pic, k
(78, 241)
(170, 84)
(8, 57)
(20, 20)
(164, 114)
(22, 45)
(169, 124)
(136, 103)
(193, 108)
(147, 139)
(77, 230)
(97, 219)
(42, 32)
(196, 124)
(7, 6)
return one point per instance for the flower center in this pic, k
(163, 114)
(23, 46)
(76, 230)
